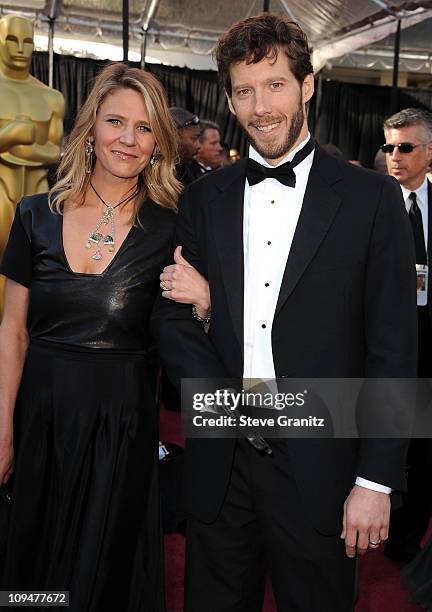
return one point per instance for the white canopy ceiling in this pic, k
(183, 32)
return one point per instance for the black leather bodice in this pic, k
(110, 310)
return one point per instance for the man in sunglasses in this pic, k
(189, 129)
(408, 149)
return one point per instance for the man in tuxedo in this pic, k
(208, 157)
(310, 265)
(408, 149)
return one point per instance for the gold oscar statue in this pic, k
(31, 124)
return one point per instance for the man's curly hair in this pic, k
(256, 38)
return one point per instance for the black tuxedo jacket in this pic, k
(346, 308)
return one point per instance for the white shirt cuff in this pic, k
(375, 486)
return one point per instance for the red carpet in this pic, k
(380, 589)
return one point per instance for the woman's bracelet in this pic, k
(198, 317)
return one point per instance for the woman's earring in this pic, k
(157, 156)
(89, 152)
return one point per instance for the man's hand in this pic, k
(366, 520)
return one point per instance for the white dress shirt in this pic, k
(271, 213)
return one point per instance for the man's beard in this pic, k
(276, 151)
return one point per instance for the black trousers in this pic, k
(409, 523)
(264, 529)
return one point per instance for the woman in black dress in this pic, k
(82, 268)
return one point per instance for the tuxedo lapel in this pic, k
(227, 215)
(319, 207)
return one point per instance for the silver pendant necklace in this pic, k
(98, 238)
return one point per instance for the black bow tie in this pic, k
(255, 172)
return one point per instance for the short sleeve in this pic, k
(17, 263)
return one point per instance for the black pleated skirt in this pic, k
(85, 516)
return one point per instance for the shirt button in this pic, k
(263, 325)
(269, 242)
(267, 284)
(271, 201)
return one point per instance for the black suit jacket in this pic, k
(425, 312)
(196, 171)
(346, 308)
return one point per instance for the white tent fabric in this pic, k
(358, 39)
(191, 27)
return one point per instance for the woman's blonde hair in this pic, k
(157, 180)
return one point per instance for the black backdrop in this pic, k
(347, 115)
